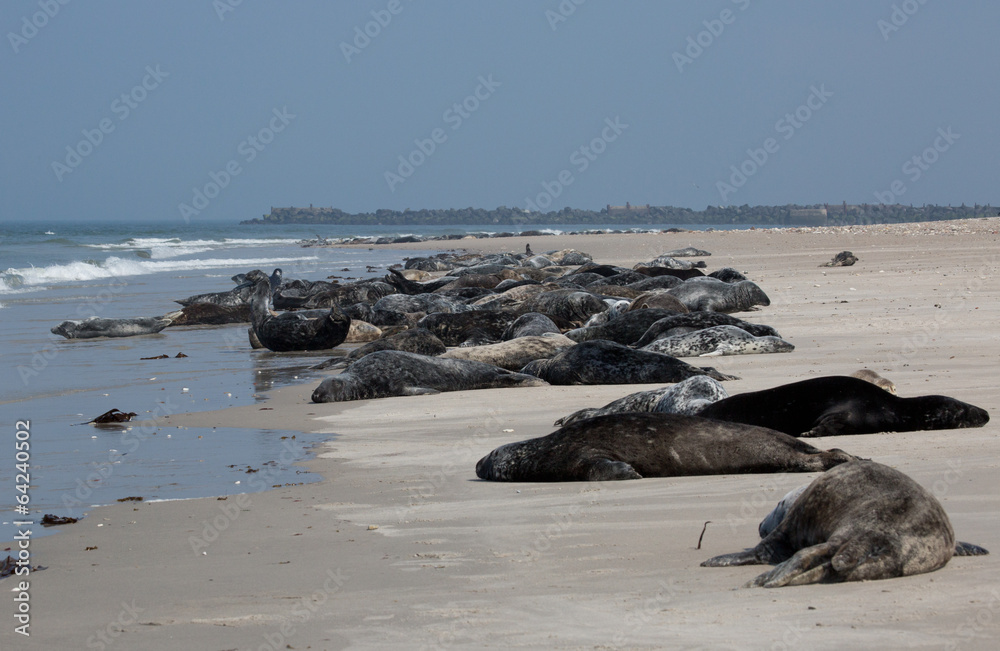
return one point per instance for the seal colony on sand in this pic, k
(100, 327)
(860, 521)
(687, 398)
(634, 445)
(605, 362)
(831, 406)
(387, 373)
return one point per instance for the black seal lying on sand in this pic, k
(829, 406)
(860, 521)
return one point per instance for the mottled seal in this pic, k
(658, 299)
(681, 323)
(687, 398)
(635, 445)
(416, 340)
(293, 330)
(687, 252)
(829, 406)
(605, 362)
(568, 304)
(209, 314)
(859, 521)
(716, 341)
(624, 329)
(871, 376)
(455, 328)
(514, 354)
(528, 325)
(387, 373)
(713, 295)
(100, 327)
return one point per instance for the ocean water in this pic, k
(51, 272)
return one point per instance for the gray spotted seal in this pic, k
(605, 362)
(623, 329)
(416, 340)
(830, 406)
(530, 324)
(387, 373)
(514, 354)
(713, 295)
(101, 327)
(869, 375)
(687, 398)
(859, 521)
(681, 323)
(634, 445)
(716, 341)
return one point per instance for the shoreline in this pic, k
(456, 561)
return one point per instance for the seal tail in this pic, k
(968, 549)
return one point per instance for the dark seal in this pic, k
(830, 406)
(605, 362)
(387, 373)
(634, 445)
(860, 521)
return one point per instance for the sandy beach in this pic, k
(400, 546)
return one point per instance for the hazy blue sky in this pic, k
(129, 109)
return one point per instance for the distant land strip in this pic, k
(842, 214)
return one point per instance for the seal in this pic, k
(514, 354)
(681, 323)
(528, 325)
(709, 294)
(455, 328)
(605, 362)
(687, 398)
(387, 373)
(859, 521)
(658, 299)
(416, 340)
(209, 314)
(623, 329)
(835, 405)
(717, 341)
(634, 445)
(569, 304)
(869, 375)
(293, 330)
(687, 252)
(100, 327)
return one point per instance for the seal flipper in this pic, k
(808, 565)
(829, 424)
(606, 470)
(968, 549)
(419, 391)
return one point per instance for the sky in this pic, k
(206, 110)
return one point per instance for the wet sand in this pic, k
(400, 546)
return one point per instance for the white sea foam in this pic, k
(172, 247)
(22, 280)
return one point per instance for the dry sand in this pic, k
(400, 546)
